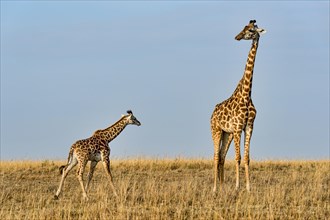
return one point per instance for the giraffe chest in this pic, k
(233, 120)
(235, 116)
(233, 124)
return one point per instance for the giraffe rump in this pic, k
(61, 168)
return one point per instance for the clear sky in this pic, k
(70, 68)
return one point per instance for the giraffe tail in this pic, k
(61, 168)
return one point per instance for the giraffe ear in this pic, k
(261, 31)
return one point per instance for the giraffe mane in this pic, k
(100, 130)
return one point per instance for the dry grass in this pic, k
(167, 189)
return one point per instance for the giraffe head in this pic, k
(131, 119)
(250, 32)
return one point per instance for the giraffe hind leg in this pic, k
(80, 172)
(65, 171)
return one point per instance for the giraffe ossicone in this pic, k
(236, 114)
(94, 149)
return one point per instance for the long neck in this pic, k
(245, 85)
(113, 131)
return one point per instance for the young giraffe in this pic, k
(236, 114)
(94, 149)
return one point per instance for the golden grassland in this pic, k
(167, 189)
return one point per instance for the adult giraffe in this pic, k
(236, 114)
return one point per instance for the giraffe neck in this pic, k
(244, 87)
(113, 131)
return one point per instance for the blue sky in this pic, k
(70, 68)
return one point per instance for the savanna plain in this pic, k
(167, 189)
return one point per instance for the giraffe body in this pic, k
(235, 115)
(94, 149)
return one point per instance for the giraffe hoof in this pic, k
(55, 197)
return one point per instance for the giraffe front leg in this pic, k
(237, 140)
(248, 134)
(65, 172)
(90, 174)
(216, 136)
(106, 165)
